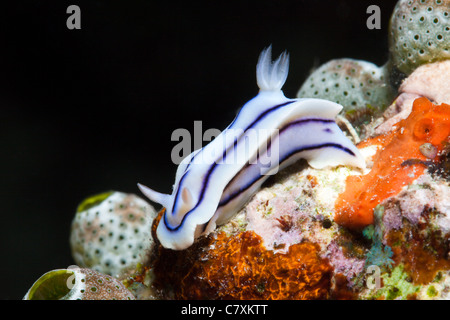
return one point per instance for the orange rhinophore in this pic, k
(398, 163)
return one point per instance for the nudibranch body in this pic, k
(269, 133)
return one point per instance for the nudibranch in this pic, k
(269, 133)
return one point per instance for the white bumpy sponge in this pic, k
(419, 33)
(359, 86)
(111, 232)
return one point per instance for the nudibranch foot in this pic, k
(269, 133)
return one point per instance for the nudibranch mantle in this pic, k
(269, 133)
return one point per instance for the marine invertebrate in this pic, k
(428, 80)
(110, 232)
(379, 254)
(421, 244)
(77, 284)
(419, 33)
(285, 222)
(240, 267)
(427, 123)
(360, 86)
(214, 182)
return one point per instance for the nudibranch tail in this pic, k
(271, 76)
(213, 183)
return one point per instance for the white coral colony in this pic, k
(214, 182)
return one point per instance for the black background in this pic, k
(90, 110)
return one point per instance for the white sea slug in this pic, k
(269, 133)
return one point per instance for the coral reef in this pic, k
(250, 258)
(427, 80)
(309, 233)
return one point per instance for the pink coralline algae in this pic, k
(347, 266)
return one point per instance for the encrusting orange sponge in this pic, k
(240, 267)
(428, 126)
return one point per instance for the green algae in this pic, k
(51, 286)
(93, 201)
(397, 285)
(432, 292)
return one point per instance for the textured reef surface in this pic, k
(333, 233)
